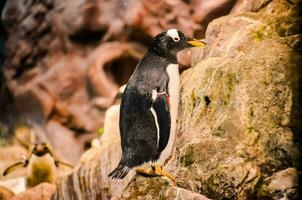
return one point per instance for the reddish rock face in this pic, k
(61, 55)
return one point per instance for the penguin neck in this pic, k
(162, 56)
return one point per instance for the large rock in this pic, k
(240, 116)
(89, 179)
(156, 188)
(42, 191)
(14, 185)
(5, 194)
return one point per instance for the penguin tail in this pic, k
(119, 172)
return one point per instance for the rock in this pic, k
(43, 191)
(65, 82)
(15, 185)
(5, 194)
(110, 136)
(111, 125)
(156, 188)
(103, 67)
(284, 184)
(205, 11)
(283, 180)
(64, 142)
(89, 179)
(92, 152)
(184, 59)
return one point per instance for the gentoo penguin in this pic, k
(40, 165)
(149, 107)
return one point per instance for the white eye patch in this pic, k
(173, 34)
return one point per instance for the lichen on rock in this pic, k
(156, 188)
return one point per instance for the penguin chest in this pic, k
(173, 90)
(173, 86)
(41, 169)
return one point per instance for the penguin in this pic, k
(40, 165)
(149, 107)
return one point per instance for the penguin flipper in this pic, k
(14, 167)
(161, 106)
(61, 163)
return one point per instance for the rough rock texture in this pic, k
(156, 188)
(15, 185)
(240, 111)
(5, 194)
(283, 184)
(90, 178)
(42, 191)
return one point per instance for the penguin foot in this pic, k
(155, 170)
(159, 171)
(144, 171)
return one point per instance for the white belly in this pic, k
(173, 86)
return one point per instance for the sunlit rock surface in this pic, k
(156, 188)
(5, 194)
(15, 185)
(90, 178)
(43, 191)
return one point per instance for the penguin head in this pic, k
(41, 149)
(167, 44)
